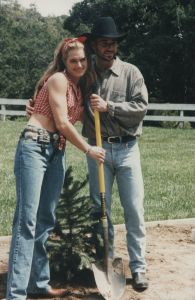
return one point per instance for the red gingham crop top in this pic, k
(74, 102)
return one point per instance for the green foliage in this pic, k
(27, 44)
(160, 40)
(71, 247)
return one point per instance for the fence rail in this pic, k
(10, 107)
(168, 107)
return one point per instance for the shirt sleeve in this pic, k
(131, 112)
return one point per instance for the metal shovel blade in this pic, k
(111, 284)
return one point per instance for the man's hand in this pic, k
(97, 103)
(29, 108)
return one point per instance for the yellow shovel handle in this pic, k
(102, 193)
(99, 144)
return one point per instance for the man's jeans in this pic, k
(123, 163)
(39, 171)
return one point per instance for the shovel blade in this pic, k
(111, 284)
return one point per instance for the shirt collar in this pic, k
(116, 67)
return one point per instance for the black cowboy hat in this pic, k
(104, 27)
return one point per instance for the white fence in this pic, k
(13, 111)
(179, 109)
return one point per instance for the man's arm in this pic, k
(131, 113)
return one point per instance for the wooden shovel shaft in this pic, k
(102, 192)
(100, 165)
(99, 144)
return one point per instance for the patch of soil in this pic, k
(170, 255)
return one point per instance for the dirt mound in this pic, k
(170, 256)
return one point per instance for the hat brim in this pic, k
(91, 36)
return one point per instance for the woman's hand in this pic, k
(29, 108)
(97, 153)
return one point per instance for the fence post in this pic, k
(2, 117)
(181, 114)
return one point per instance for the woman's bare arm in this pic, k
(57, 87)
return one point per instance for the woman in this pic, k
(39, 169)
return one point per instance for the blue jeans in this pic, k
(39, 171)
(123, 163)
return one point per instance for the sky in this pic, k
(50, 7)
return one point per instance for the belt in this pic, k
(39, 135)
(118, 139)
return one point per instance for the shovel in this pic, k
(109, 275)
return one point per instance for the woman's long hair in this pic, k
(58, 64)
(88, 81)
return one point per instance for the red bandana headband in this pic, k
(69, 41)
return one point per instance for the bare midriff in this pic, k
(42, 122)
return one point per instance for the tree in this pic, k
(71, 247)
(160, 41)
(27, 44)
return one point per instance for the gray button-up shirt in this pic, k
(123, 87)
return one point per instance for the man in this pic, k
(120, 95)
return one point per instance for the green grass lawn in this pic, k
(168, 164)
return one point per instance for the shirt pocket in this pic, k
(118, 96)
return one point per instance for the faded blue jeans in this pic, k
(39, 171)
(123, 163)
